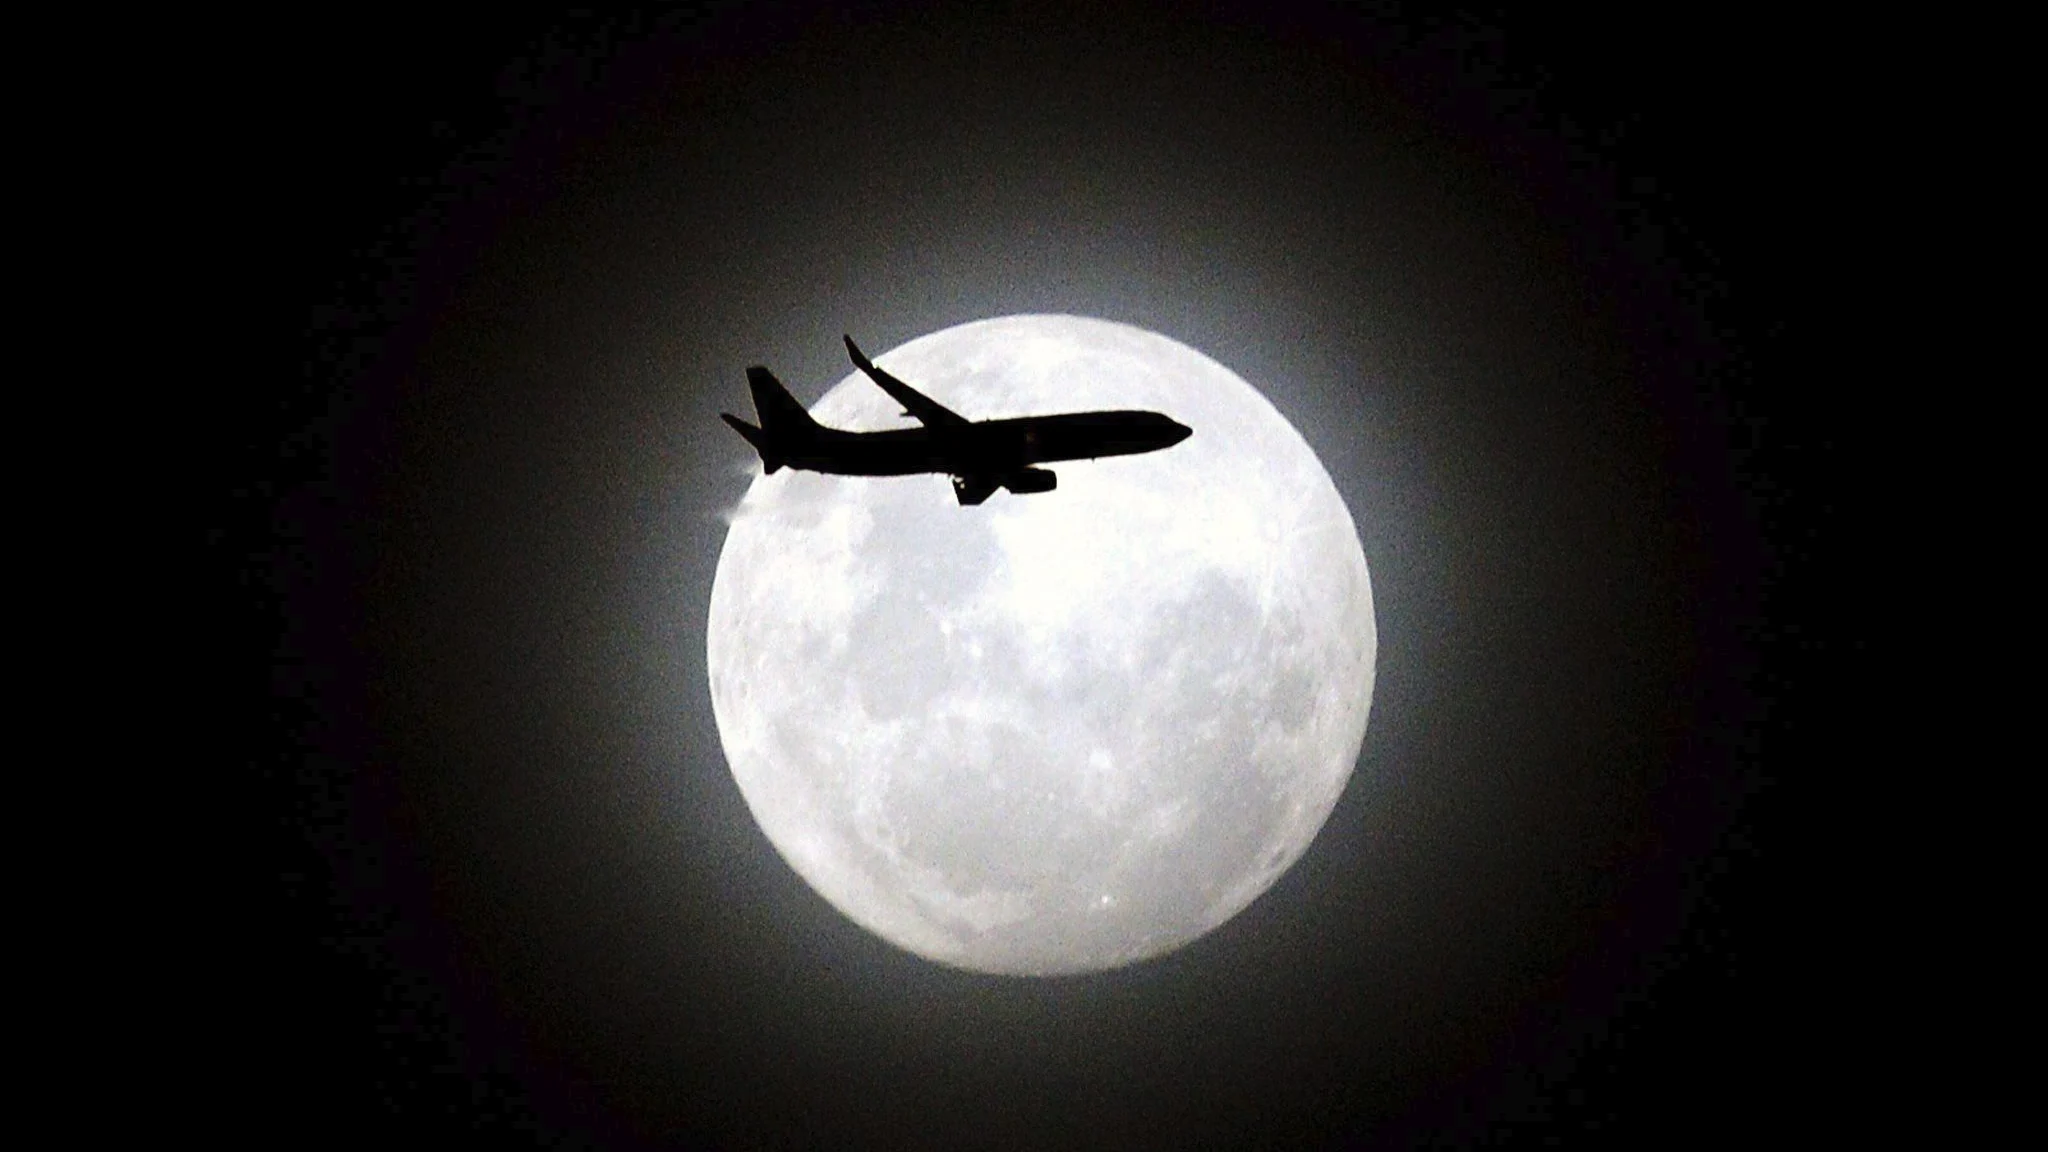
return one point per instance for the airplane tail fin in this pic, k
(779, 411)
(783, 419)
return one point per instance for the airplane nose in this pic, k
(1179, 432)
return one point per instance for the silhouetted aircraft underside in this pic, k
(980, 455)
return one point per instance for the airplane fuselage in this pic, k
(988, 447)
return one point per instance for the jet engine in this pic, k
(1031, 480)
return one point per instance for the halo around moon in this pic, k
(1052, 733)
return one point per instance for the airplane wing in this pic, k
(915, 403)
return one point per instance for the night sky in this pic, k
(1518, 284)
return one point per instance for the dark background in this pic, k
(1524, 286)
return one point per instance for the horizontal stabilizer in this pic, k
(771, 462)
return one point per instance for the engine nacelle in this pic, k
(1031, 480)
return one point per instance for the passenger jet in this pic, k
(980, 455)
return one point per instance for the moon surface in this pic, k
(1053, 733)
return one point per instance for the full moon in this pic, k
(1052, 733)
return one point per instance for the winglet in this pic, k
(859, 361)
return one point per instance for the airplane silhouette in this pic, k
(980, 455)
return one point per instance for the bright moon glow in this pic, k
(1058, 732)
